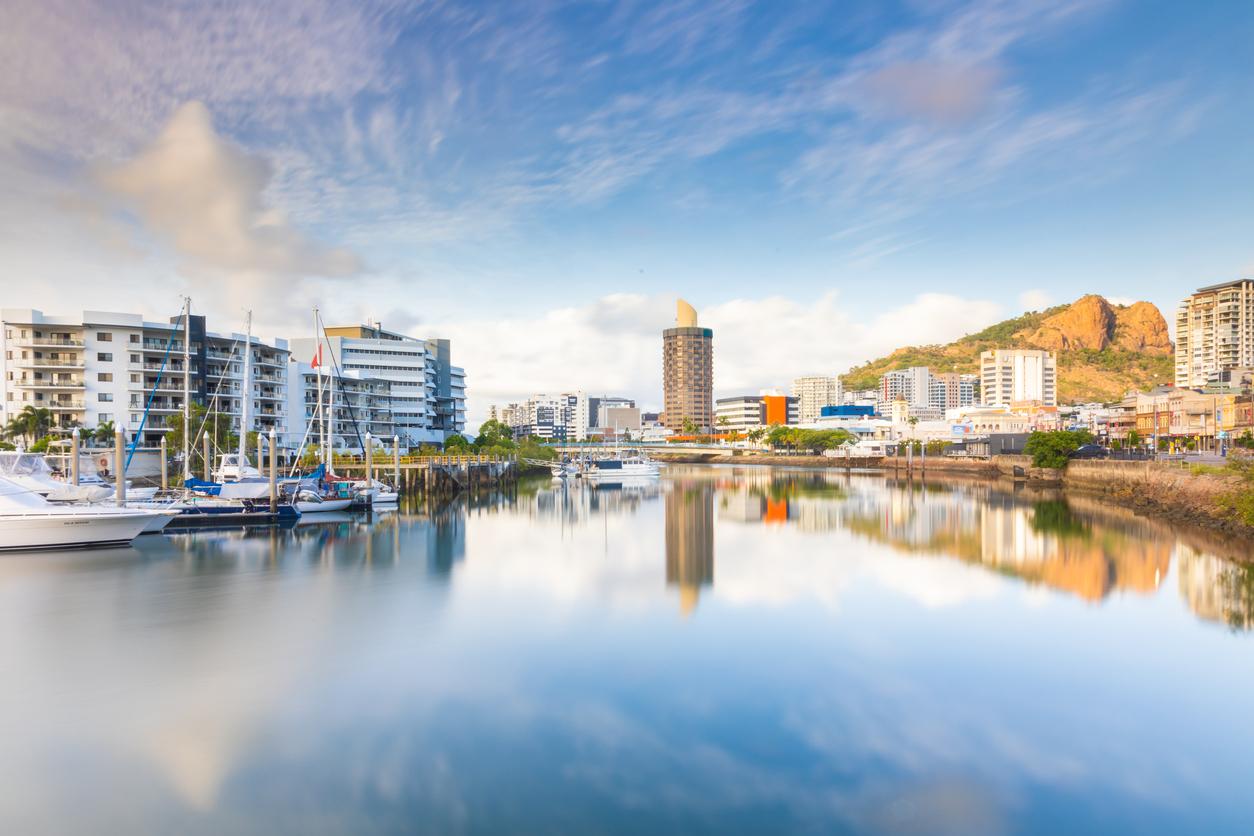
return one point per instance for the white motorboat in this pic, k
(32, 472)
(630, 467)
(310, 502)
(378, 492)
(235, 468)
(28, 521)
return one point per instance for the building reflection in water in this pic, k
(690, 540)
(1071, 544)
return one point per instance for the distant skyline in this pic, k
(539, 181)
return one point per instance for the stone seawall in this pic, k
(1169, 491)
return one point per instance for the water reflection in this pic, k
(870, 655)
(1076, 545)
(690, 540)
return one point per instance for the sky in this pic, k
(539, 181)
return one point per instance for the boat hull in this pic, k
(26, 532)
(323, 507)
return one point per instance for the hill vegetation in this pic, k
(1103, 350)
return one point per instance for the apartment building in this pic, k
(1214, 332)
(913, 385)
(814, 392)
(1012, 376)
(101, 367)
(344, 406)
(951, 390)
(427, 393)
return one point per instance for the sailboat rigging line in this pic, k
(209, 409)
(352, 414)
(130, 450)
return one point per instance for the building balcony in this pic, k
(61, 406)
(49, 342)
(25, 383)
(47, 363)
(160, 346)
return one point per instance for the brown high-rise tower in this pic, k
(688, 372)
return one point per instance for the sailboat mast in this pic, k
(331, 409)
(322, 425)
(247, 394)
(187, 388)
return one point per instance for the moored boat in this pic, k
(29, 521)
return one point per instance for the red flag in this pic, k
(317, 358)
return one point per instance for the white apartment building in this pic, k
(815, 392)
(427, 394)
(1214, 332)
(101, 367)
(1010, 376)
(346, 406)
(914, 385)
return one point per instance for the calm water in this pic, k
(731, 651)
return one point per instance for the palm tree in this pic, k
(17, 428)
(38, 419)
(104, 432)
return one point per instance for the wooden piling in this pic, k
(74, 457)
(119, 466)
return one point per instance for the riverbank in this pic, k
(1168, 491)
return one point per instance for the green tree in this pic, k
(495, 437)
(1054, 448)
(779, 436)
(216, 425)
(1134, 439)
(30, 425)
(104, 433)
(690, 427)
(456, 443)
(723, 423)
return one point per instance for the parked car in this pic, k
(1091, 451)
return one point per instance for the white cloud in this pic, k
(204, 197)
(614, 344)
(1034, 299)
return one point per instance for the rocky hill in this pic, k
(1103, 350)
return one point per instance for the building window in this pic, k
(104, 377)
(103, 417)
(104, 357)
(104, 397)
(135, 338)
(135, 378)
(104, 337)
(134, 358)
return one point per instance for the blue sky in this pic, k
(539, 180)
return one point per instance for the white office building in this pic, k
(1015, 376)
(815, 392)
(427, 394)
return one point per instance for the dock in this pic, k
(440, 475)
